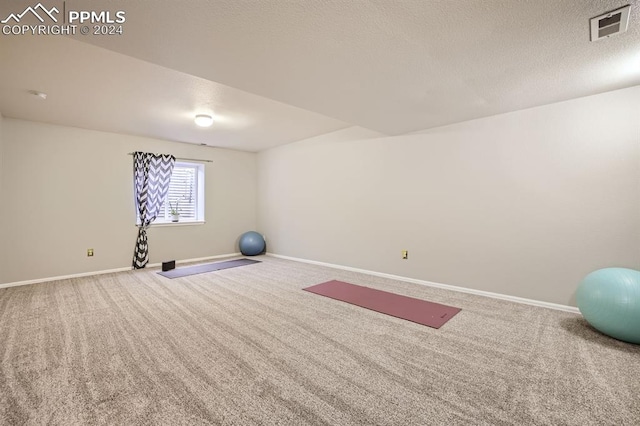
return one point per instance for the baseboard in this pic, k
(109, 271)
(492, 295)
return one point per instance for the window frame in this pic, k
(164, 217)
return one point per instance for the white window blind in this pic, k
(183, 192)
(186, 194)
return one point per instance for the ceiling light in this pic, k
(204, 120)
(41, 95)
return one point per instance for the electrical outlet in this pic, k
(405, 254)
(89, 252)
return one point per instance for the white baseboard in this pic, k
(109, 271)
(516, 299)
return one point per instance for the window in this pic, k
(186, 194)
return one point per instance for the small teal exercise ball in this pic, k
(251, 243)
(609, 299)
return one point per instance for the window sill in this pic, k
(182, 223)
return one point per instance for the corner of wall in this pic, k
(1, 197)
(266, 162)
(500, 204)
(58, 154)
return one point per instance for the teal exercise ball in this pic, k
(252, 243)
(609, 299)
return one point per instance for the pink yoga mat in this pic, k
(416, 310)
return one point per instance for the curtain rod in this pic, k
(185, 159)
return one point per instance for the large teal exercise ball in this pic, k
(609, 299)
(251, 243)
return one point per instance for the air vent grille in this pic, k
(610, 24)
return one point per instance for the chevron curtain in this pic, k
(151, 174)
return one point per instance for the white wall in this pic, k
(73, 190)
(523, 204)
(3, 240)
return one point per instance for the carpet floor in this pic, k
(246, 346)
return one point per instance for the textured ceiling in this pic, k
(98, 89)
(280, 71)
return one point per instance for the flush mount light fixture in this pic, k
(41, 95)
(204, 120)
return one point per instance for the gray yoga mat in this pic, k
(207, 267)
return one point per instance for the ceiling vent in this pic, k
(610, 24)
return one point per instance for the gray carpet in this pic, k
(247, 346)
